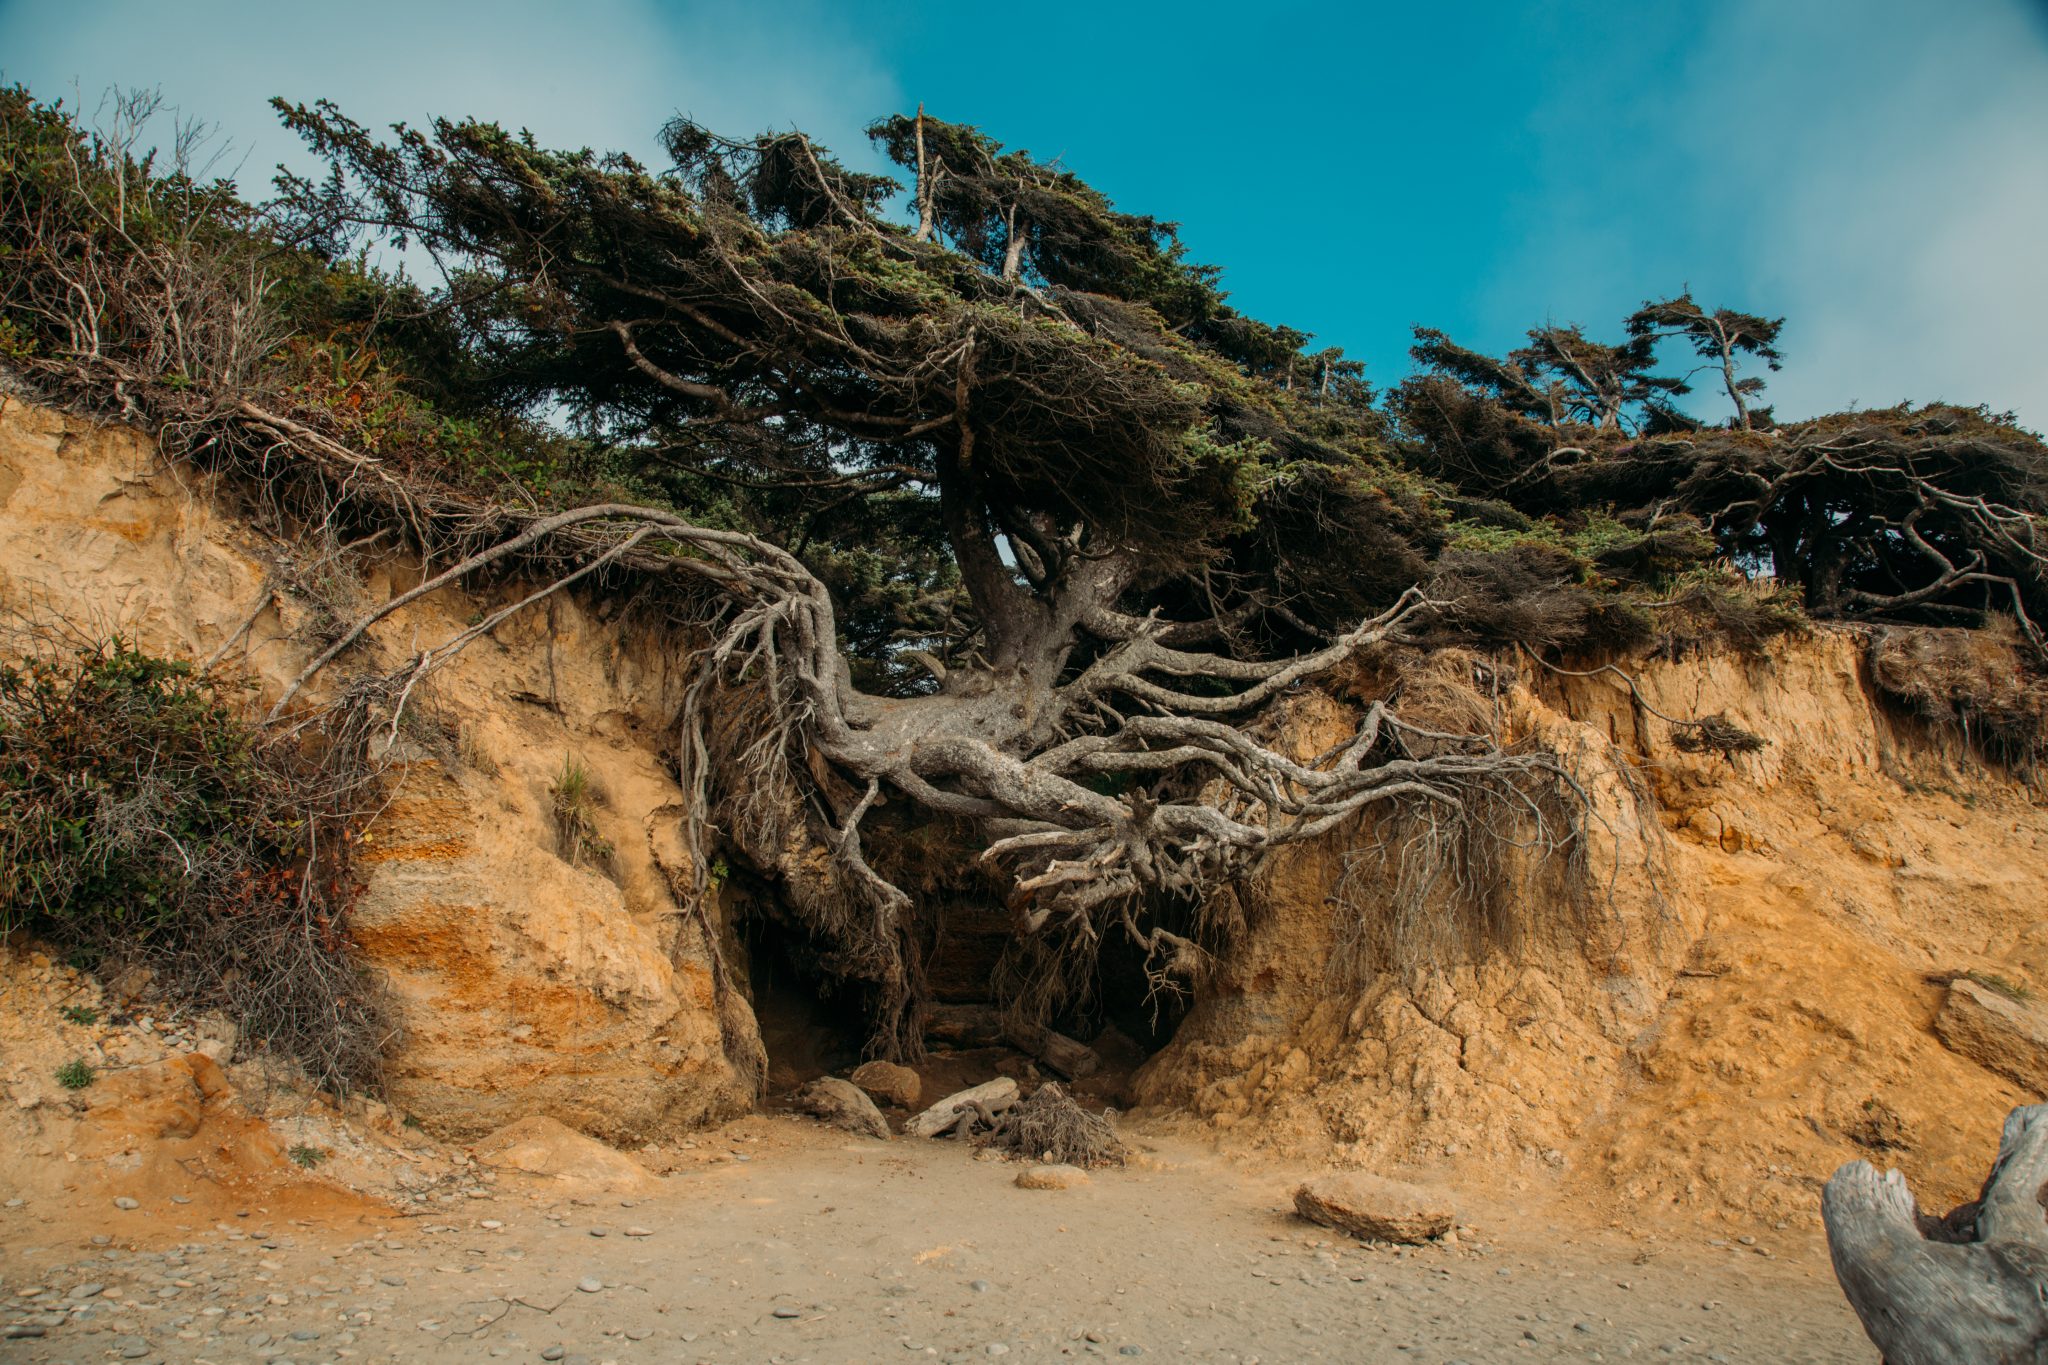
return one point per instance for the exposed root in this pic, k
(1051, 1127)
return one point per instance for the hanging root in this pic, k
(1051, 1127)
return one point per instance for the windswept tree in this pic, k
(1931, 515)
(1138, 518)
(1721, 338)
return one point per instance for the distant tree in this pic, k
(1722, 338)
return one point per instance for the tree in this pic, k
(1133, 501)
(1935, 514)
(1721, 338)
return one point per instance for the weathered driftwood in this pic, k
(1971, 1287)
(963, 1108)
(981, 1026)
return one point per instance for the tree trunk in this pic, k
(1978, 1290)
(925, 187)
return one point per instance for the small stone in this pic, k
(841, 1104)
(785, 1311)
(131, 1348)
(553, 1353)
(599, 1232)
(979, 1286)
(639, 1333)
(124, 1202)
(491, 1224)
(1058, 1176)
(590, 1284)
(1130, 1350)
(639, 1232)
(889, 1083)
(23, 1331)
(996, 1348)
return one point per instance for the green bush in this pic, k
(144, 820)
(75, 1074)
(122, 778)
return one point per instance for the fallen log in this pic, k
(982, 1026)
(1969, 1287)
(963, 1108)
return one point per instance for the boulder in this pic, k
(843, 1105)
(889, 1083)
(1996, 1031)
(1373, 1208)
(1054, 1177)
(550, 1149)
(999, 1093)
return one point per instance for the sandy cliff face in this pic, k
(526, 983)
(1745, 1006)
(1748, 997)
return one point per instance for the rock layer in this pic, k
(523, 983)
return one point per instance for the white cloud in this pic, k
(1903, 235)
(1874, 170)
(600, 73)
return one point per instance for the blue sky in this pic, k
(1875, 170)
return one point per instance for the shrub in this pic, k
(124, 779)
(80, 1014)
(76, 1074)
(308, 1157)
(144, 820)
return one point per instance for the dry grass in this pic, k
(1974, 683)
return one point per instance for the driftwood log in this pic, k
(982, 1026)
(1969, 1288)
(960, 1111)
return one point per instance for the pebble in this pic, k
(996, 1348)
(979, 1286)
(131, 1348)
(1130, 1350)
(553, 1353)
(492, 1224)
(639, 1232)
(785, 1311)
(639, 1333)
(590, 1284)
(124, 1202)
(597, 1232)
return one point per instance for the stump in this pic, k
(1969, 1287)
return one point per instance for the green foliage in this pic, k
(119, 775)
(2001, 985)
(306, 1156)
(80, 1014)
(142, 820)
(576, 799)
(76, 1074)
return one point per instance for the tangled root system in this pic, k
(1051, 1127)
(1973, 682)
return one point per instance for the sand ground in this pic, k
(785, 1241)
